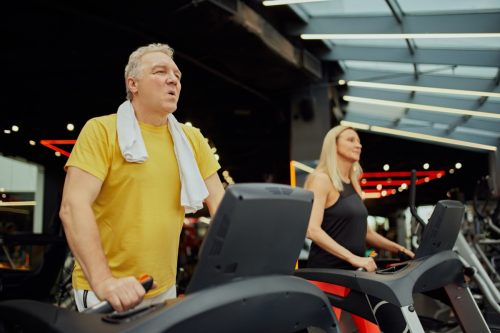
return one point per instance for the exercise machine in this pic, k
(385, 297)
(243, 282)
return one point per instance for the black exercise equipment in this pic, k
(385, 297)
(35, 283)
(243, 283)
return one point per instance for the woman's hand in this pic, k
(367, 263)
(405, 253)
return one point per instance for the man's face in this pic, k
(159, 82)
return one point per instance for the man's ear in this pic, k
(132, 85)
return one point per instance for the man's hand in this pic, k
(122, 293)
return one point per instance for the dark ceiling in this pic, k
(63, 62)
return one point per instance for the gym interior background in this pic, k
(418, 79)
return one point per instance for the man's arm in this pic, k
(80, 191)
(215, 193)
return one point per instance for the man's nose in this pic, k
(171, 78)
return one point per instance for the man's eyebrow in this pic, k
(164, 66)
(158, 66)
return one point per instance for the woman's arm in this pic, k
(375, 239)
(320, 184)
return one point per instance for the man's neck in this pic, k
(147, 116)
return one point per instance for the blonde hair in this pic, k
(328, 161)
(134, 61)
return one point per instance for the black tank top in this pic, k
(346, 222)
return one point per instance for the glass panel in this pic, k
(17, 212)
(444, 95)
(347, 7)
(480, 132)
(20, 189)
(371, 42)
(467, 71)
(380, 111)
(459, 43)
(377, 65)
(447, 6)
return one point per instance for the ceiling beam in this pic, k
(396, 11)
(488, 22)
(257, 25)
(490, 58)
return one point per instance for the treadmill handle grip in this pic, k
(105, 307)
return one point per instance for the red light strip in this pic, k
(50, 144)
(389, 185)
(402, 174)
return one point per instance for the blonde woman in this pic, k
(338, 224)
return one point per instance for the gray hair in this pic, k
(134, 61)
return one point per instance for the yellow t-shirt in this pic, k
(138, 209)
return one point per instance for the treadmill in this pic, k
(385, 297)
(243, 281)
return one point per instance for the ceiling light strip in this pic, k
(424, 107)
(385, 174)
(17, 203)
(388, 86)
(400, 36)
(425, 137)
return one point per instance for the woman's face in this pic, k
(349, 146)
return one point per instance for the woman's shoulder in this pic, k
(319, 180)
(319, 175)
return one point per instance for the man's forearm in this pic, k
(85, 243)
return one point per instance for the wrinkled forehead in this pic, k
(157, 58)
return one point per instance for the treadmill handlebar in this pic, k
(105, 307)
(413, 209)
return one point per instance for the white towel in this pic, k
(129, 134)
(193, 188)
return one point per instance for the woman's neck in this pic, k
(344, 170)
